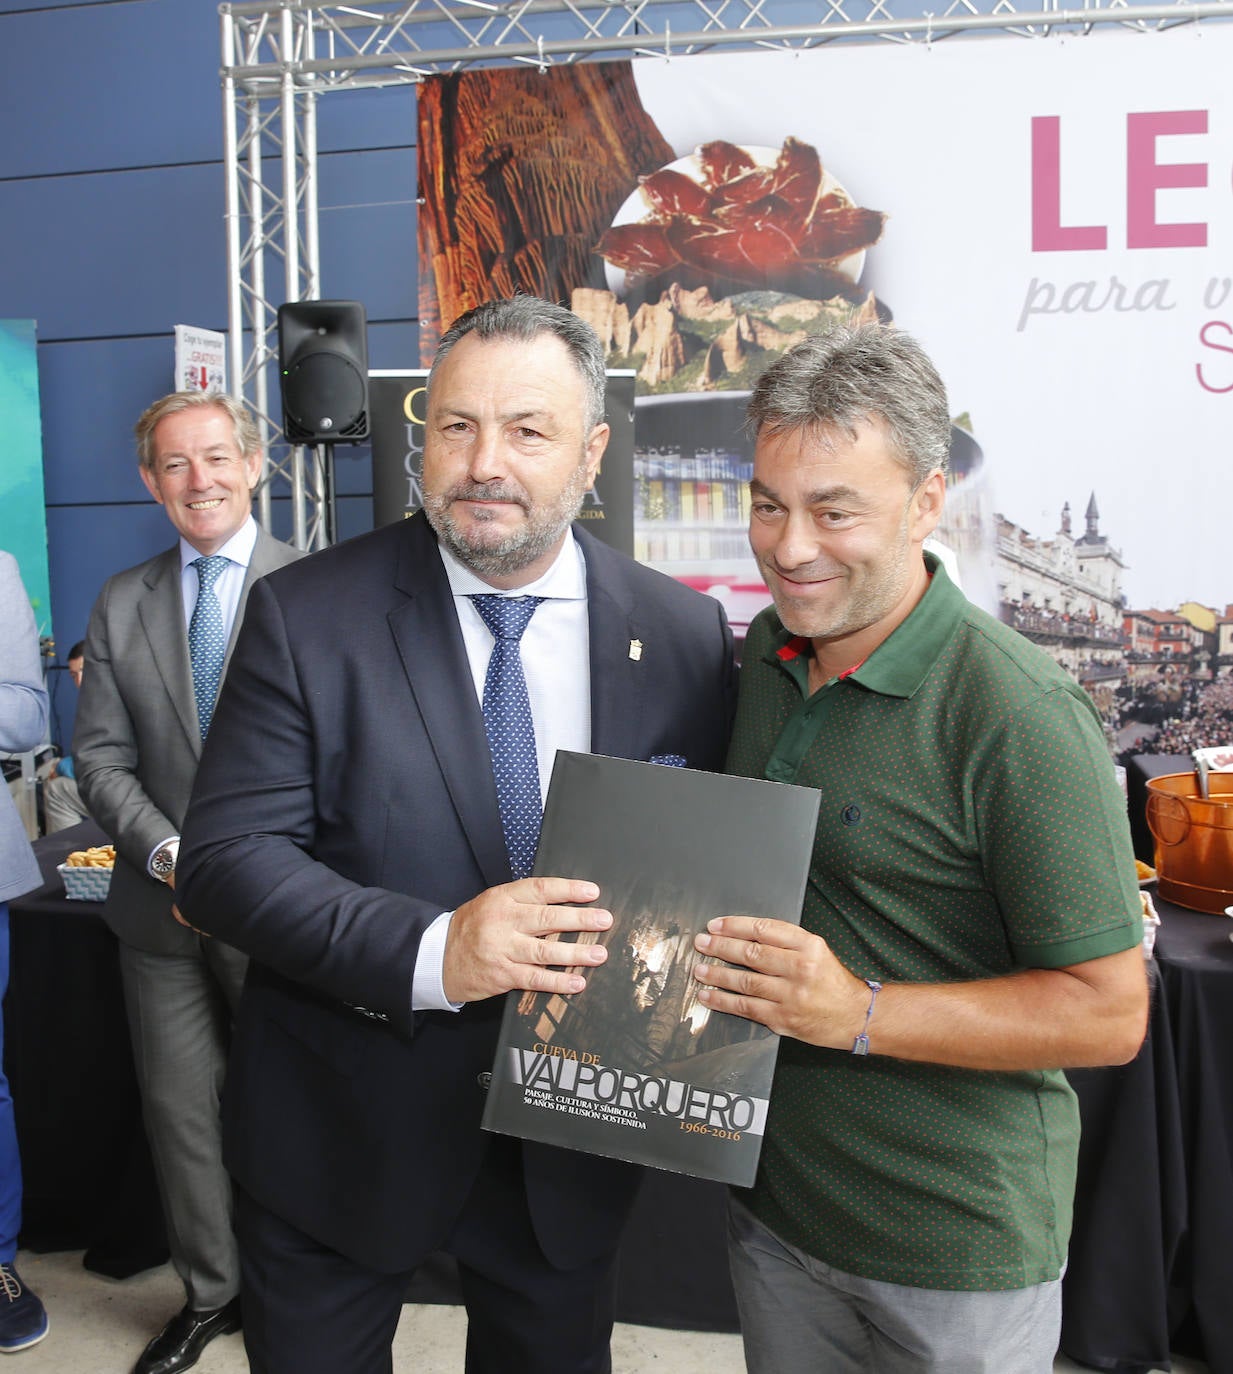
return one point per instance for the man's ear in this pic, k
(927, 504)
(151, 482)
(596, 444)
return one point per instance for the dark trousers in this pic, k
(10, 1160)
(310, 1310)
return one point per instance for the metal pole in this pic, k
(306, 219)
(231, 222)
(257, 303)
(291, 250)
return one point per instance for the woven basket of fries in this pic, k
(87, 873)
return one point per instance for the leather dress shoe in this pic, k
(180, 1343)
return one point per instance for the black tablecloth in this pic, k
(1130, 1207)
(1196, 965)
(88, 1181)
(1152, 1253)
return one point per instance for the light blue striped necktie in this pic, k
(207, 639)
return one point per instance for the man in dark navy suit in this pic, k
(349, 832)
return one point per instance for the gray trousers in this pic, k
(62, 804)
(800, 1316)
(180, 1013)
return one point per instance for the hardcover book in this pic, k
(634, 1066)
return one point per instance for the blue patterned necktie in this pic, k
(509, 727)
(207, 638)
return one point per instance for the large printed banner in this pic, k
(1053, 219)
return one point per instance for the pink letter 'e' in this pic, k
(1145, 176)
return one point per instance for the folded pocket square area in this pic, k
(670, 760)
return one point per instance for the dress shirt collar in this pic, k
(239, 548)
(566, 580)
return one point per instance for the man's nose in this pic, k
(199, 475)
(799, 542)
(488, 460)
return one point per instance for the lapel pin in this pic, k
(635, 649)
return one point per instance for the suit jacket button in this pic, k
(484, 1080)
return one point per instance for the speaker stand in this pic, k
(329, 505)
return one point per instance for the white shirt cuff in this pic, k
(427, 989)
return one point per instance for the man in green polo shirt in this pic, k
(971, 925)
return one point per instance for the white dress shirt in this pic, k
(230, 583)
(556, 661)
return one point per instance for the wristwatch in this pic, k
(163, 860)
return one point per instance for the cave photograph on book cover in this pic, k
(635, 1067)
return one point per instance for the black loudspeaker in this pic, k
(323, 371)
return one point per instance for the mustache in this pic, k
(489, 491)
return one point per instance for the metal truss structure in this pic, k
(279, 57)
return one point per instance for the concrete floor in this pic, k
(99, 1326)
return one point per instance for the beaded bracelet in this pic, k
(861, 1044)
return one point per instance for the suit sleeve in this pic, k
(105, 752)
(256, 867)
(23, 700)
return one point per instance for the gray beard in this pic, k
(503, 557)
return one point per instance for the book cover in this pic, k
(634, 1067)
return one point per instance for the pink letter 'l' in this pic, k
(1049, 235)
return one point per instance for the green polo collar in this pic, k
(902, 662)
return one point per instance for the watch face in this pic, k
(164, 862)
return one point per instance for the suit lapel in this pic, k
(616, 649)
(425, 629)
(161, 612)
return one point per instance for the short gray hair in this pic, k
(524, 318)
(247, 436)
(854, 374)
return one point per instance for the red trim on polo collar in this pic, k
(797, 645)
(794, 648)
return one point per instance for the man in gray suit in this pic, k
(146, 703)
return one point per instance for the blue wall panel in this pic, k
(93, 393)
(109, 86)
(366, 119)
(12, 6)
(368, 225)
(106, 255)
